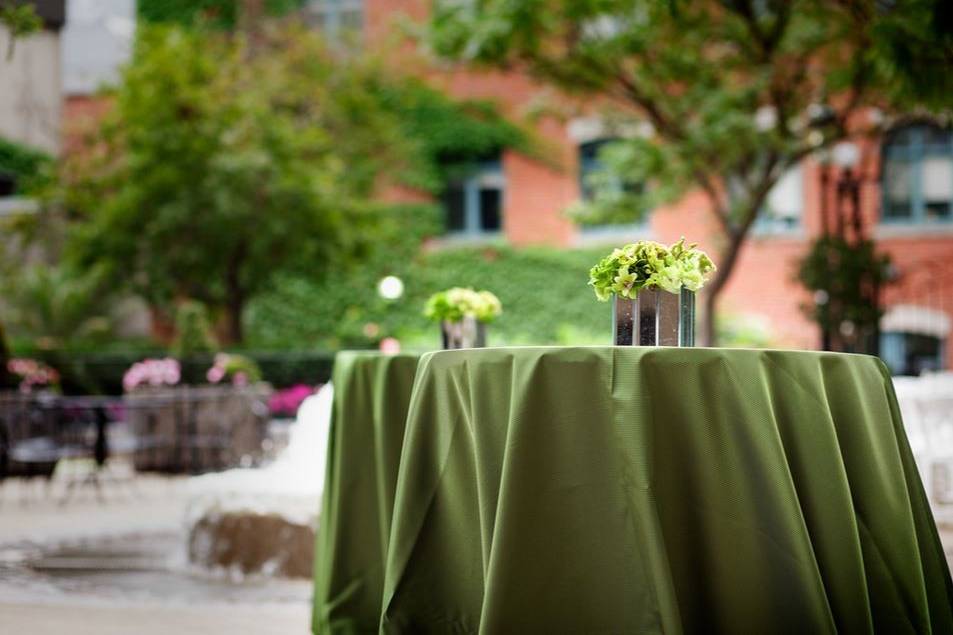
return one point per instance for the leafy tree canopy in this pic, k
(216, 168)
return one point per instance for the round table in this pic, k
(659, 490)
(371, 394)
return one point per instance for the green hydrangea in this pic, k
(650, 264)
(454, 304)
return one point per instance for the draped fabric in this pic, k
(371, 394)
(658, 490)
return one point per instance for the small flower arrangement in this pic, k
(152, 372)
(285, 402)
(647, 264)
(33, 375)
(238, 369)
(457, 303)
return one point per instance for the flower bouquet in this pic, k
(463, 315)
(152, 372)
(32, 375)
(653, 289)
(238, 369)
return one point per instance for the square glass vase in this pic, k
(654, 318)
(467, 333)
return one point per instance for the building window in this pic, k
(474, 203)
(8, 184)
(336, 18)
(911, 353)
(594, 179)
(917, 176)
(784, 204)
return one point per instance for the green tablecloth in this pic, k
(371, 393)
(640, 490)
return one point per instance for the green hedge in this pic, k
(544, 293)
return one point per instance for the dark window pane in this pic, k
(490, 204)
(937, 210)
(933, 135)
(8, 184)
(454, 202)
(897, 188)
(898, 210)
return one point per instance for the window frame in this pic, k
(588, 165)
(766, 225)
(915, 153)
(331, 12)
(487, 174)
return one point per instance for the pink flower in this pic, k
(390, 346)
(240, 379)
(215, 374)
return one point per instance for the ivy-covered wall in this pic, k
(221, 13)
(20, 166)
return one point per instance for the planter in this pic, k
(467, 333)
(654, 318)
(195, 429)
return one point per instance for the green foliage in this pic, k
(216, 170)
(337, 312)
(629, 269)
(844, 276)
(301, 312)
(218, 13)
(914, 47)
(193, 333)
(25, 164)
(20, 19)
(447, 136)
(235, 368)
(456, 303)
(56, 307)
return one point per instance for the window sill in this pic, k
(449, 241)
(594, 236)
(904, 230)
(794, 233)
(16, 205)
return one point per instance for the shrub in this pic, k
(193, 334)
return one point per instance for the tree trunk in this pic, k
(233, 316)
(4, 358)
(727, 260)
(235, 296)
(251, 22)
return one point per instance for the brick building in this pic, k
(906, 194)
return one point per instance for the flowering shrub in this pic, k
(650, 264)
(238, 369)
(454, 304)
(285, 403)
(152, 372)
(33, 374)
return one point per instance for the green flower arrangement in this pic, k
(650, 264)
(457, 303)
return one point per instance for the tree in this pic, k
(19, 20)
(216, 170)
(727, 94)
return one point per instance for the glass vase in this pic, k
(654, 318)
(466, 333)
